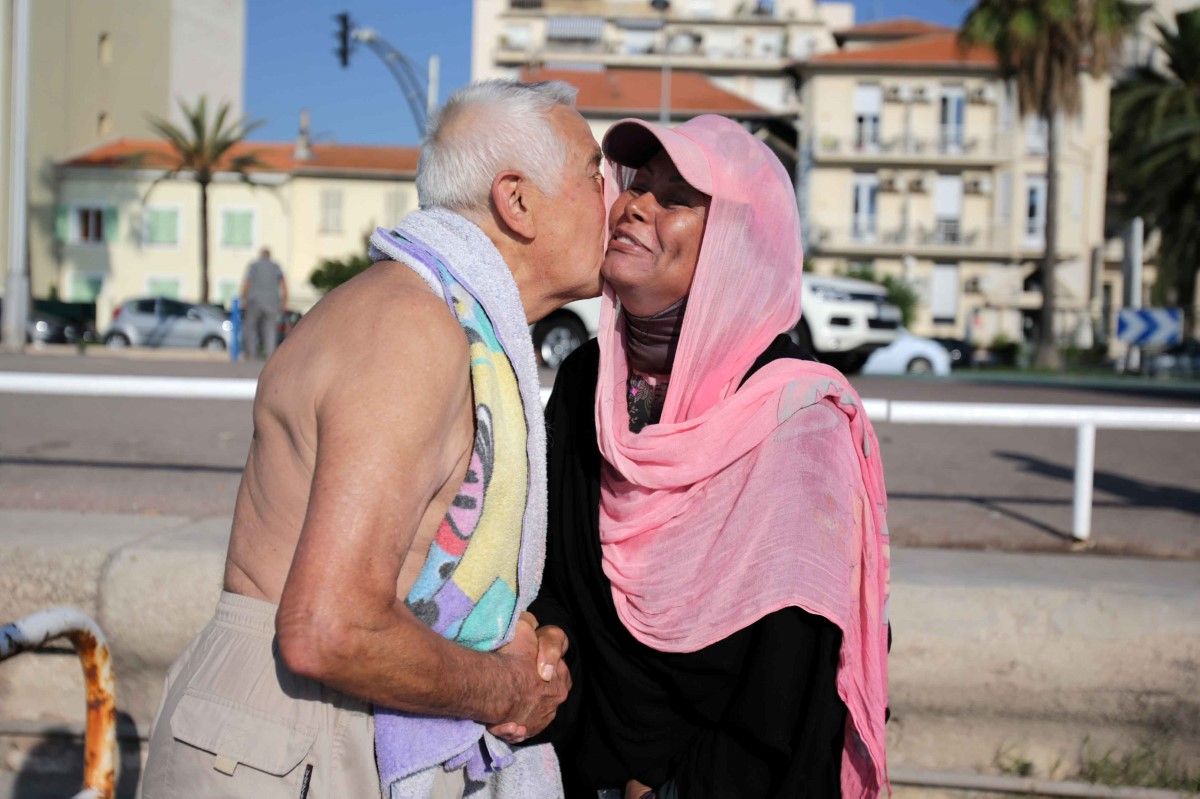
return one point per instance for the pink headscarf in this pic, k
(741, 502)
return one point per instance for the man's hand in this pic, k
(542, 649)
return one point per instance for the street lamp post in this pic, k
(16, 294)
(664, 103)
(401, 66)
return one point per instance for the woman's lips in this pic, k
(623, 242)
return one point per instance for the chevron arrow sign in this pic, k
(1146, 327)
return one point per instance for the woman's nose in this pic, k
(639, 206)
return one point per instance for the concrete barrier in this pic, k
(990, 648)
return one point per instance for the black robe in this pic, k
(754, 715)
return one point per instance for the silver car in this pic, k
(163, 322)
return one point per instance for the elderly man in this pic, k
(390, 523)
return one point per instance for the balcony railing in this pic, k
(946, 236)
(907, 148)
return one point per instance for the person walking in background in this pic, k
(264, 297)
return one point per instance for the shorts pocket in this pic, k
(238, 736)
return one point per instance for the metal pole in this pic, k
(431, 88)
(664, 103)
(1133, 299)
(1085, 468)
(16, 293)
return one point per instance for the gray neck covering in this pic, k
(650, 341)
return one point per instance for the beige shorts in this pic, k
(234, 722)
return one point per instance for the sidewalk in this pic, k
(992, 650)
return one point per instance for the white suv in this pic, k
(842, 321)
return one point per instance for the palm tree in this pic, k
(202, 148)
(1044, 46)
(1156, 153)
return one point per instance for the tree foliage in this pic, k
(201, 148)
(1044, 46)
(332, 272)
(1155, 152)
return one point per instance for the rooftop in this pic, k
(937, 50)
(275, 157)
(898, 28)
(637, 92)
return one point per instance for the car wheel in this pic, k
(116, 341)
(919, 366)
(556, 337)
(213, 344)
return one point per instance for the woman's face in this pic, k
(655, 229)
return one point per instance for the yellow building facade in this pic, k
(919, 164)
(121, 231)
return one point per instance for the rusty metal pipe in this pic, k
(100, 738)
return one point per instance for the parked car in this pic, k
(961, 353)
(565, 330)
(163, 322)
(1181, 360)
(843, 320)
(47, 328)
(909, 354)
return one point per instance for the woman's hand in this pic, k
(636, 790)
(552, 645)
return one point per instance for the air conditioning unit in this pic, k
(919, 94)
(918, 184)
(973, 285)
(894, 94)
(981, 95)
(888, 182)
(980, 184)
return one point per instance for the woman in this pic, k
(717, 551)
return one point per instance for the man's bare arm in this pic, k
(398, 388)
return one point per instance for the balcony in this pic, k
(946, 238)
(952, 150)
(688, 50)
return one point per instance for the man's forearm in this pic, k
(390, 658)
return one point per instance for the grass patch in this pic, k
(1147, 766)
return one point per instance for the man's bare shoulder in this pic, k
(382, 327)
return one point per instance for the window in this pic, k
(161, 227)
(868, 100)
(173, 308)
(162, 286)
(947, 209)
(866, 190)
(237, 227)
(1035, 210)
(952, 117)
(142, 306)
(92, 225)
(331, 211)
(85, 287)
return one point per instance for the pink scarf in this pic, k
(741, 502)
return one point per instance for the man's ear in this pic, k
(510, 198)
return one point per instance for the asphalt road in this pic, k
(977, 487)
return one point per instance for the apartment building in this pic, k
(117, 238)
(742, 46)
(918, 164)
(98, 70)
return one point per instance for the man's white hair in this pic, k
(507, 126)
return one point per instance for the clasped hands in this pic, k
(535, 655)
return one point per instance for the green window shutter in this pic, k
(162, 226)
(238, 228)
(110, 224)
(62, 223)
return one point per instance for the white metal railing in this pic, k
(1085, 419)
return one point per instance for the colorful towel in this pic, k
(484, 566)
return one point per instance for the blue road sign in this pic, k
(1146, 327)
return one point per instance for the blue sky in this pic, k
(290, 64)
